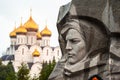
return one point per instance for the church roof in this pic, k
(7, 57)
(38, 35)
(30, 64)
(31, 24)
(46, 32)
(21, 29)
(36, 53)
(13, 33)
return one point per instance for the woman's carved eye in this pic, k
(75, 40)
(117, 46)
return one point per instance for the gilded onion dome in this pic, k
(38, 35)
(21, 29)
(30, 25)
(46, 32)
(13, 33)
(36, 53)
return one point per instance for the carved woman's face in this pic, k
(75, 46)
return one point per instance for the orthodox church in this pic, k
(30, 46)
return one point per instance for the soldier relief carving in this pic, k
(89, 47)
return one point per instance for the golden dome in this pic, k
(21, 29)
(13, 33)
(30, 24)
(46, 32)
(38, 35)
(36, 53)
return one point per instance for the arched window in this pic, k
(21, 40)
(47, 52)
(47, 42)
(18, 40)
(31, 40)
(22, 51)
(27, 40)
(57, 52)
(44, 42)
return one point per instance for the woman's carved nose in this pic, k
(68, 45)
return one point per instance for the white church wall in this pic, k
(36, 59)
(39, 42)
(29, 56)
(35, 70)
(16, 65)
(47, 51)
(32, 48)
(13, 41)
(57, 53)
(18, 56)
(21, 53)
(45, 41)
(21, 39)
(31, 38)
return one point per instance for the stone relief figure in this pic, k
(87, 47)
(87, 50)
(87, 54)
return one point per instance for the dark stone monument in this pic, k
(89, 36)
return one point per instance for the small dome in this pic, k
(13, 33)
(46, 32)
(36, 53)
(38, 35)
(21, 29)
(31, 25)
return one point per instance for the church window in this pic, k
(31, 40)
(27, 39)
(47, 42)
(18, 40)
(22, 51)
(44, 42)
(21, 40)
(58, 52)
(47, 52)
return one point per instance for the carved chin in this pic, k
(72, 60)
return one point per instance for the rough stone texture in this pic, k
(92, 8)
(99, 25)
(115, 56)
(115, 11)
(107, 11)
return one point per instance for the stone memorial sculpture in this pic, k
(89, 39)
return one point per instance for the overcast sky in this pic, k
(11, 12)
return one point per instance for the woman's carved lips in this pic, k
(70, 54)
